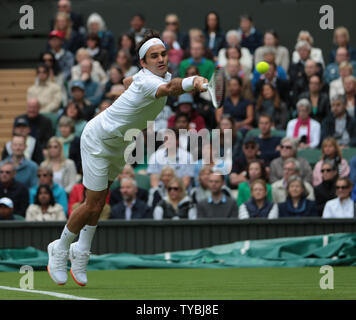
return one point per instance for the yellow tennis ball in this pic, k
(262, 67)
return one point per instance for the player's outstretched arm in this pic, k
(179, 86)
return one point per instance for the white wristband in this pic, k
(187, 83)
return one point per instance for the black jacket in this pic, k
(328, 128)
(140, 210)
(323, 193)
(323, 109)
(19, 195)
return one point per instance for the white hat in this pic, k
(7, 202)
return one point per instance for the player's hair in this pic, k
(149, 34)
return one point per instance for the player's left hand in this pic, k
(198, 83)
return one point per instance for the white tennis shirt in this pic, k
(137, 105)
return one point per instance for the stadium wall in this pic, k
(149, 237)
(287, 17)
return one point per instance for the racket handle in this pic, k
(205, 86)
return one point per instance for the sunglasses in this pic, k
(42, 175)
(3, 171)
(173, 188)
(286, 147)
(342, 187)
(52, 147)
(171, 22)
(326, 170)
(250, 146)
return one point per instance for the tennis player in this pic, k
(102, 152)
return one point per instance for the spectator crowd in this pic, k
(293, 129)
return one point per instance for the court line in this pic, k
(48, 293)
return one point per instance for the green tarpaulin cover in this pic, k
(332, 249)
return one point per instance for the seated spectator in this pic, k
(185, 104)
(228, 123)
(115, 77)
(127, 42)
(25, 169)
(297, 205)
(64, 170)
(125, 64)
(158, 193)
(235, 69)
(74, 112)
(41, 126)
(269, 102)
(269, 56)
(172, 24)
(137, 29)
(130, 207)
(175, 55)
(33, 149)
(176, 205)
(96, 25)
(233, 40)
(250, 152)
(48, 94)
(103, 105)
(288, 149)
(316, 54)
(268, 145)
(217, 205)
(350, 93)
(330, 150)
(234, 53)
(206, 67)
(93, 89)
(71, 143)
(214, 36)
(55, 73)
(339, 124)
(342, 40)
(258, 206)
(45, 176)
(319, 100)
(337, 86)
(77, 197)
(12, 189)
(96, 52)
(332, 69)
(255, 170)
(291, 167)
(304, 129)
(45, 207)
(115, 193)
(353, 170)
(78, 98)
(73, 39)
(6, 209)
(238, 107)
(76, 19)
(182, 123)
(326, 191)
(97, 72)
(173, 155)
(271, 40)
(197, 35)
(202, 191)
(250, 37)
(342, 206)
(272, 77)
(64, 57)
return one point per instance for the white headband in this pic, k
(148, 44)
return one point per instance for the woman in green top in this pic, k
(255, 170)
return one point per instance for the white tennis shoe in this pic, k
(79, 260)
(57, 263)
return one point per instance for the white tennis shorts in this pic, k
(102, 160)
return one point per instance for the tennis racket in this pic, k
(216, 87)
